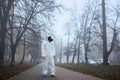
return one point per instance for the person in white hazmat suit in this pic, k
(48, 53)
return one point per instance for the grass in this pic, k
(104, 72)
(9, 71)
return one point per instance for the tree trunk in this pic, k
(61, 52)
(78, 58)
(5, 6)
(105, 54)
(13, 50)
(68, 58)
(2, 42)
(2, 50)
(60, 57)
(21, 62)
(74, 51)
(73, 56)
(86, 58)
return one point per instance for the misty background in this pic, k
(84, 31)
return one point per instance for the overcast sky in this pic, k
(62, 18)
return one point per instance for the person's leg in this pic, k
(52, 66)
(44, 67)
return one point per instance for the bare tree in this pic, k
(79, 45)
(5, 7)
(74, 49)
(24, 50)
(88, 20)
(101, 32)
(61, 51)
(26, 21)
(105, 54)
(68, 41)
(115, 29)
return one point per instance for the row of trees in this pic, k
(94, 26)
(19, 18)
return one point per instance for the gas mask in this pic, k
(50, 39)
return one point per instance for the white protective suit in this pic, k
(48, 53)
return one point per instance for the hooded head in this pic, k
(50, 39)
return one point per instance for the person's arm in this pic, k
(43, 49)
(54, 53)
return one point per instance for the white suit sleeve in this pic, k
(43, 49)
(53, 50)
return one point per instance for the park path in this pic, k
(65, 74)
(62, 74)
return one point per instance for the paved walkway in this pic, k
(65, 74)
(62, 74)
